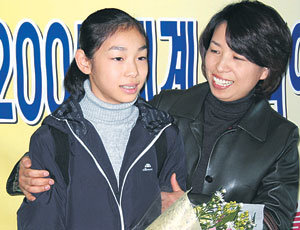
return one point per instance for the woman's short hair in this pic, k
(257, 32)
(94, 30)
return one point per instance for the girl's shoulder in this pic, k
(152, 118)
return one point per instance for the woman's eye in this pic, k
(214, 51)
(238, 58)
(118, 58)
(142, 58)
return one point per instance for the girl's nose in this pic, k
(132, 70)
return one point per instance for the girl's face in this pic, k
(230, 75)
(119, 67)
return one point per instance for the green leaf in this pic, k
(229, 217)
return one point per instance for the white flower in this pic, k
(219, 195)
(230, 225)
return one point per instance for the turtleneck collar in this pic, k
(97, 110)
(219, 116)
(229, 110)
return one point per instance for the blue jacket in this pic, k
(93, 199)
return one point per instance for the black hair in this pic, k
(258, 32)
(95, 29)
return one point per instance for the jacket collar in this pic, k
(255, 122)
(69, 110)
(152, 119)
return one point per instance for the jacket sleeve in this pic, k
(48, 210)
(155, 101)
(174, 162)
(12, 184)
(279, 187)
(166, 99)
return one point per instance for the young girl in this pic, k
(111, 176)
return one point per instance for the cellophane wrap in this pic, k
(179, 216)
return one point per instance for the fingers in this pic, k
(168, 198)
(34, 185)
(165, 202)
(164, 196)
(35, 189)
(31, 180)
(29, 196)
(25, 162)
(174, 183)
(34, 173)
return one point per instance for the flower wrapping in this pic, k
(213, 215)
(179, 216)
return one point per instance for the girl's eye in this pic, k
(118, 58)
(142, 58)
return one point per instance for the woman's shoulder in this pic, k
(276, 122)
(182, 92)
(167, 98)
(279, 119)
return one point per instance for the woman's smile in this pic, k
(221, 83)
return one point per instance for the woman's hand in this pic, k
(168, 198)
(32, 181)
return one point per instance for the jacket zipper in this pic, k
(104, 175)
(139, 157)
(101, 171)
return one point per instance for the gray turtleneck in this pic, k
(113, 123)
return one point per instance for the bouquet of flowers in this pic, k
(213, 215)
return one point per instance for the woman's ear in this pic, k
(265, 73)
(83, 63)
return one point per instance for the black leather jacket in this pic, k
(256, 162)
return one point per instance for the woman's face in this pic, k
(119, 67)
(230, 75)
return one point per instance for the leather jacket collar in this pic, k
(255, 121)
